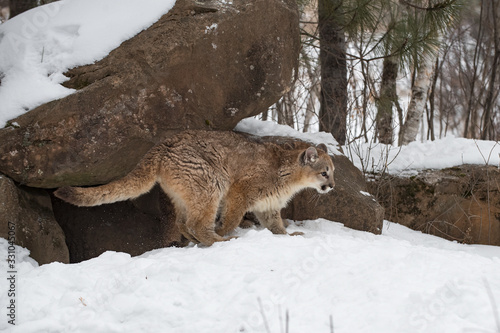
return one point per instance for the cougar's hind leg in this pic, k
(185, 232)
(200, 219)
(200, 225)
(233, 212)
(197, 194)
(180, 222)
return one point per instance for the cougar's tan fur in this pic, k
(213, 178)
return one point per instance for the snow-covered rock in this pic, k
(460, 203)
(164, 79)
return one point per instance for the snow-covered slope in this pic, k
(401, 281)
(438, 154)
(41, 44)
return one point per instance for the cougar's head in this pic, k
(319, 168)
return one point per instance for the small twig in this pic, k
(493, 303)
(491, 151)
(281, 318)
(331, 324)
(287, 318)
(263, 315)
(486, 161)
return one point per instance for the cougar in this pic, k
(214, 178)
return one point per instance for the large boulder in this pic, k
(26, 215)
(460, 203)
(205, 64)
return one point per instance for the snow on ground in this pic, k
(41, 44)
(401, 281)
(438, 154)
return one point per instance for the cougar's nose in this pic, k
(325, 187)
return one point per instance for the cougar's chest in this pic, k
(276, 199)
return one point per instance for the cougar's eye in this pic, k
(324, 174)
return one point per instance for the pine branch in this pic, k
(438, 6)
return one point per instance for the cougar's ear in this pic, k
(309, 156)
(322, 147)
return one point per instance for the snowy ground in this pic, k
(401, 281)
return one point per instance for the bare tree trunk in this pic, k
(386, 100)
(418, 100)
(488, 130)
(279, 111)
(430, 118)
(333, 109)
(284, 111)
(366, 79)
(290, 109)
(314, 92)
(470, 130)
(265, 114)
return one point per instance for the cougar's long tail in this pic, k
(137, 182)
